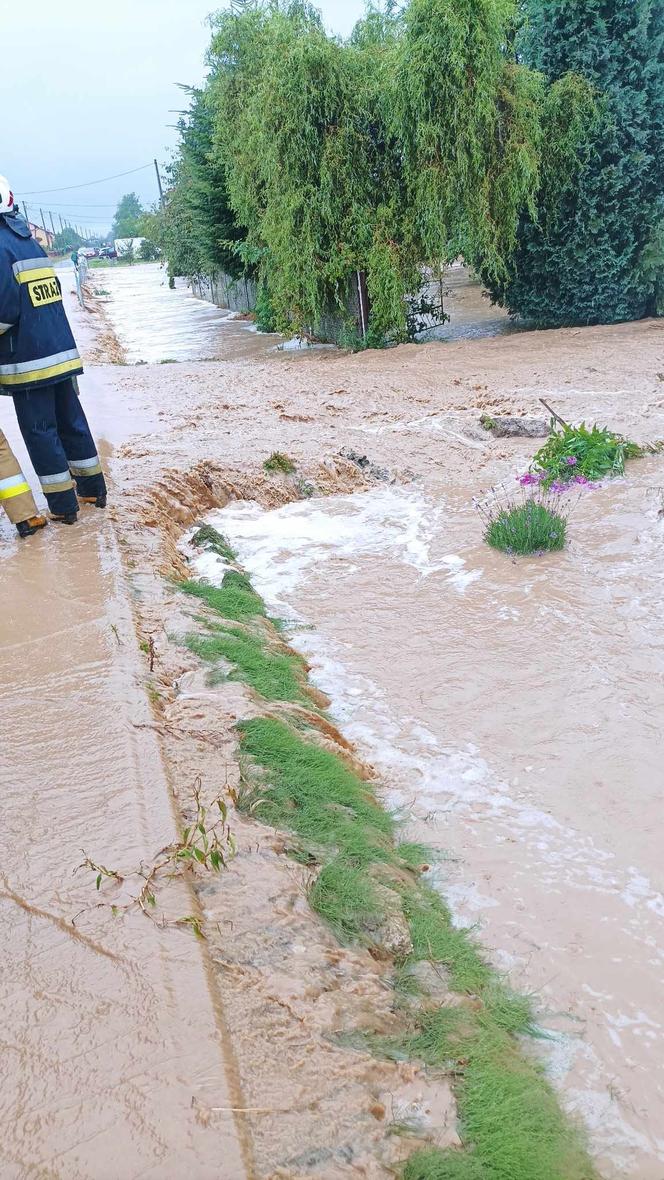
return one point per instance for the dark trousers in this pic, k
(60, 445)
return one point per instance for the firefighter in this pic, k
(39, 366)
(15, 495)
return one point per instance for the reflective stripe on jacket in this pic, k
(36, 343)
(15, 495)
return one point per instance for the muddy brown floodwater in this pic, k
(512, 712)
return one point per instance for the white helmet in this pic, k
(6, 196)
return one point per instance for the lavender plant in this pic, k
(524, 522)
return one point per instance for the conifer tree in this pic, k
(595, 251)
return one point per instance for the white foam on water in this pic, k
(281, 546)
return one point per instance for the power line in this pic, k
(58, 205)
(87, 183)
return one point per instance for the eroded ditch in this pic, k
(366, 884)
(437, 658)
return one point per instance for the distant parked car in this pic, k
(107, 252)
(88, 251)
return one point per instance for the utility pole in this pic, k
(52, 222)
(161, 191)
(61, 223)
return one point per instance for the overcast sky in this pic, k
(89, 89)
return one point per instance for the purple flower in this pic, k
(571, 461)
(558, 487)
(531, 478)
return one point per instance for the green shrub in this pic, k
(279, 462)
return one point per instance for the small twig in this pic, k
(250, 1109)
(207, 841)
(556, 417)
(241, 1109)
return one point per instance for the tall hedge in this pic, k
(467, 119)
(594, 253)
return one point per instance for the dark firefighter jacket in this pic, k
(36, 343)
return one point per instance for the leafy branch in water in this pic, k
(278, 462)
(582, 454)
(207, 841)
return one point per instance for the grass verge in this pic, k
(368, 886)
(208, 537)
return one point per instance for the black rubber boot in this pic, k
(28, 528)
(66, 518)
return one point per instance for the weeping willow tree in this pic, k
(414, 142)
(467, 117)
(313, 172)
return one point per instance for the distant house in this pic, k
(43, 236)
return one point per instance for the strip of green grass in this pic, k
(437, 940)
(234, 599)
(207, 537)
(438, 1165)
(276, 676)
(510, 1120)
(315, 791)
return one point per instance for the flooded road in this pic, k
(513, 712)
(471, 315)
(113, 1040)
(156, 324)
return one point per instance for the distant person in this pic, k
(39, 364)
(81, 270)
(82, 262)
(15, 495)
